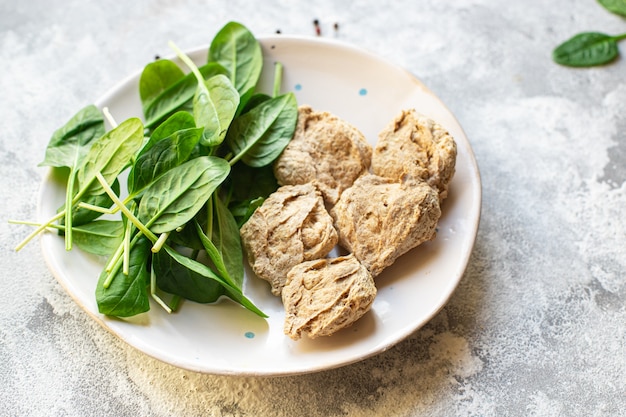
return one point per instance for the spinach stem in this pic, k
(160, 241)
(116, 256)
(126, 246)
(117, 264)
(125, 209)
(153, 293)
(99, 209)
(68, 209)
(109, 117)
(181, 55)
(40, 229)
(278, 77)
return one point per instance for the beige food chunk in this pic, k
(414, 146)
(324, 150)
(291, 226)
(379, 219)
(326, 295)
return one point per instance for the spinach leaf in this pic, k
(226, 238)
(162, 154)
(246, 182)
(214, 106)
(614, 6)
(237, 50)
(175, 198)
(259, 136)
(178, 96)
(100, 237)
(253, 101)
(70, 143)
(68, 147)
(224, 246)
(156, 78)
(587, 49)
(174, 277)
(127, 295)
(235, 294)
(109, 155)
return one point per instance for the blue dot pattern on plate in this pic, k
(298, 87)
(249, 335)
(363, 92)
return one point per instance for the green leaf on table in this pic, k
(235, 48)
(127, 295)
(587, 49)
(614, 6)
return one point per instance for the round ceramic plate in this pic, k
(224, 338)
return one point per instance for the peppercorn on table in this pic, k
(516, 307)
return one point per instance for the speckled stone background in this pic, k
(537, 326)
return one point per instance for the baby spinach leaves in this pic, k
(193, 173)
(236, 49)
(588, 49)
(260, 135)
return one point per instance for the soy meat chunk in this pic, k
(326, 295)
(413, 146)
(291, 226)
(324, 150)
(379, 219)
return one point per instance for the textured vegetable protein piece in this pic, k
(324, 296)
(379, 219)
(326, 151)
(291, 226)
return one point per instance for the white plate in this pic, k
(224, 338)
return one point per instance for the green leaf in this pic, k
(174, 277)
(586, 50)
(614, 6)
(164, 153)
(236, 49)
(156, 78)
(234, 293)
(214, 107)
(175, 198)
(227, 240)
(70, 143)
(260, 135)
(109, 155)
(100, 237)
(178, 96)
(128, 294)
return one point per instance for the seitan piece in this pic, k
(379, 219)
(291, 226)
(326, 295)
(413, 146)
(324, 150)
